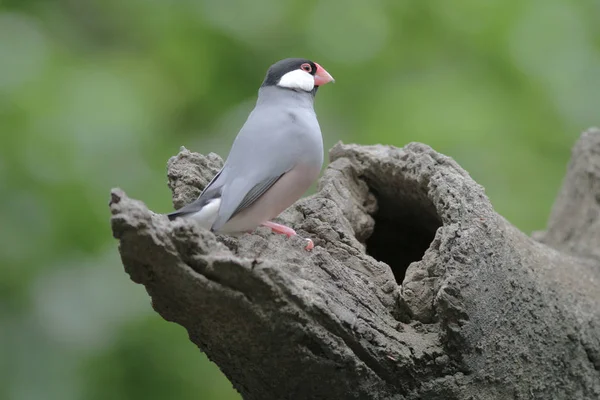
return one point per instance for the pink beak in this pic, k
(322, 77)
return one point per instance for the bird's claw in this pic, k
(287, 231)
(310, 245)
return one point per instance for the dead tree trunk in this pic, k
(416, 288)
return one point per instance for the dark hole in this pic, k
(405, 226)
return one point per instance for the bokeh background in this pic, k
(99, 93)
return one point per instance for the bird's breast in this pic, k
(306, 137)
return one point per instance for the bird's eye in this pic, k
(306, 67)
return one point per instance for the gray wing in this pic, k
(271, 143)
(255, 193)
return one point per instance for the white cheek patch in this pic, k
(297, 79)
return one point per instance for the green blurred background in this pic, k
(99, 93)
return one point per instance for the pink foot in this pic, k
(286, 230)
(278, 228)
(310, 245)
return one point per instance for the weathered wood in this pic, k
(416, 287)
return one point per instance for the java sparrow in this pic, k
(274, 159)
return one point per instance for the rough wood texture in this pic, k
(416, 288)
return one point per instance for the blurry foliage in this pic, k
(96, 94)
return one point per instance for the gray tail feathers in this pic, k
(207, 196)
(210, 192)
(192, 208)
(178, 213)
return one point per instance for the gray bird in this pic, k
(275, 158)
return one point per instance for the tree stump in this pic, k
(416, 288)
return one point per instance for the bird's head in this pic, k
(297, 74)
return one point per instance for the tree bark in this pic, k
(416, 288)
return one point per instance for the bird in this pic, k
(276, 156)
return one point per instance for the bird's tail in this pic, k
(205, 214)
(178, 213)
